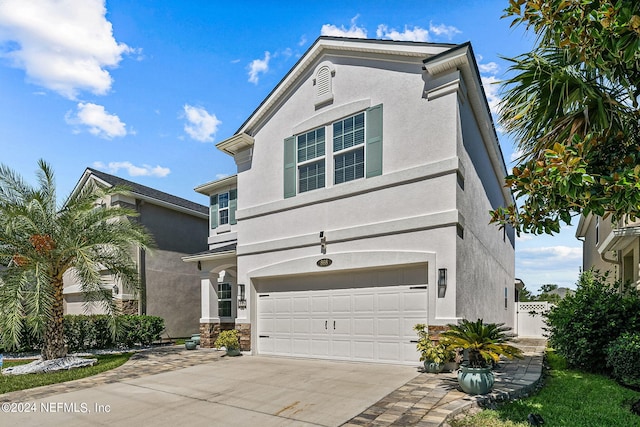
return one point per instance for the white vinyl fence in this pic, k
(530, 319)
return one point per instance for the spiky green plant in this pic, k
(40, 241)
(485, 342)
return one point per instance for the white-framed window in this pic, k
(355, 152)
(348, 149)
(223, 208)
(311, 148)
(224, 299)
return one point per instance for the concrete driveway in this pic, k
(241, 391)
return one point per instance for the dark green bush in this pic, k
(582, 325)
(623, 357)
(139, 329)
(84, 332)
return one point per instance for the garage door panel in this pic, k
(388, 327)
(341, 304)
(388, 303)
(341, 348)
(414, 302)
(300, 305)
(320, 304)
(363, 304)
(282, 326)
(371, 324)
(389, 351)
(301, 326)
(320, 347)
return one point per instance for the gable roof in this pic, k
(343, 46)
(147, 193)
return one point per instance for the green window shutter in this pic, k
(233, 205)
(374, 141)
(213, 210)
(290, 167)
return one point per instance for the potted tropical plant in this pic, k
(483, 344)
(229, 340)
(434, 356)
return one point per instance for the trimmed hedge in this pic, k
(84, 332)
(623, 357)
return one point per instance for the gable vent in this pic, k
(323, 82)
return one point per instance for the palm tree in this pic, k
(40, 241)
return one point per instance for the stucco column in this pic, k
(208, 300)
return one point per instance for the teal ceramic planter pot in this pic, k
(233, 352)
(196, 338)
(432, 367)
(190, 345)
(475, 380)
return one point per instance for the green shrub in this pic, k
(582, 325)
(83, 332)
(142, 330)
(623, 357)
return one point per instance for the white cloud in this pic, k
(258, 66)
(353, 31)
(417, 34)
(98, 121)
(550, 254)
(489, 68)
(491, 90)
(447, 31)
(133, 170)
(202, 126)
(62, 45)
(221, 175)
(516, 155)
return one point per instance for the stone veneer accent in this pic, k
(435, 331)
(127, 306)
(209, 333)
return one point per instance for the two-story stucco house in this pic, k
(170, 288)
(360, 207)
(611, 247)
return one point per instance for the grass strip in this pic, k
(106, 362)
(569, 398)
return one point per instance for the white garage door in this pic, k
(365, 324)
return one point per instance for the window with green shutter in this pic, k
(356, 152)
(222, 208)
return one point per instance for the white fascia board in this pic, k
(210, 188)
(237, 143)
(619, 238)
(208, 257)
(461, 58)
(583, 226)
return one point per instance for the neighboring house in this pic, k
(170, 288)
(360, 207)
(611, 247)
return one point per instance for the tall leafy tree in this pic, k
(40, 241)
(572, 105)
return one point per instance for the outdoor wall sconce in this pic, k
(323, 243)
(442, 282)
(115, 289)
(242, 300)
(199, 266)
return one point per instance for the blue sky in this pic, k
(145, 89)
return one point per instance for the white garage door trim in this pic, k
(373, 324)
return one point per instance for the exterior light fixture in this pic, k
(442, 282)
(115, 289)
(242, 300)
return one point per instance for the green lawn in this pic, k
(569, 398)
(20, 382)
